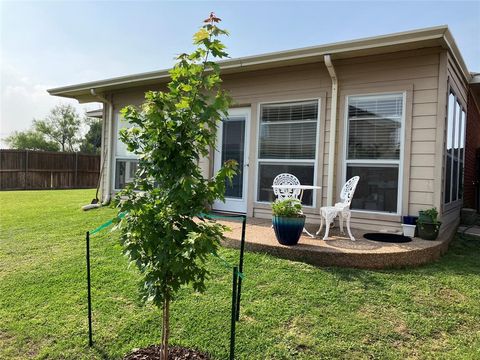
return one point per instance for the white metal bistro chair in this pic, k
(286, 179)
(341, 208)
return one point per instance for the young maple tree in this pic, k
(162, 233)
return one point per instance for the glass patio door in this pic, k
(232, 144)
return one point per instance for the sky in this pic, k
(46, 44)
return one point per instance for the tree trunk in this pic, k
(165, 328)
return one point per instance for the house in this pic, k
(392, 109)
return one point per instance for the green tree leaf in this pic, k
(30, 140)
(171, 131)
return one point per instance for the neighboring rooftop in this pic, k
(409, 40)
(97, 113)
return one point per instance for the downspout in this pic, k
(107, 169)
(333, 129)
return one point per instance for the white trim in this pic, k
(115, 157)
(285, 103)
(288, 122)
(234, 204)
(313, 161)
(457, 103)
(373, 162)
(293, 161)
(380, 162)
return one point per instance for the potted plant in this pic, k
(428, 224)
(288, 221)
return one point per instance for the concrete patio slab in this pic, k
(339, 250)
(470, 230)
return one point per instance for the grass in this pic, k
(290, 310)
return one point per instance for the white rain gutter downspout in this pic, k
(333, 129)
(107, 169)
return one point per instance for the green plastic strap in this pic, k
(122, 215)
(228, 265)
(108, 223)
(203, 215)
(213, 216)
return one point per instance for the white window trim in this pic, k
(314, 161)
(121, 158)
(217, 154)
(463, 119)
(379, 162)
(114, 152)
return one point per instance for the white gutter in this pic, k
(107, 168)
(333, 129)
(360, 47)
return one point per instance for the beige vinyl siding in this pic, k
(300, 82)
(414, 72)
(451, 212)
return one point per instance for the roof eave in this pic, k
(439, 35)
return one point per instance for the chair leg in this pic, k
(308, 233)
(328, 220)
(340, 220)
(348, 215)
(327, 228)
(321, 225)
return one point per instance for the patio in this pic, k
(339, 250)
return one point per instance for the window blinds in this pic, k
(375, 124)
(288, 131)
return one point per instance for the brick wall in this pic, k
(472, 143)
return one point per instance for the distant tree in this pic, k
(61, 126)
(92, 141)
(30, 140)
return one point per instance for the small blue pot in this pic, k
(288, 229)
(410, 220)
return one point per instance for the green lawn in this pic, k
(290, 310)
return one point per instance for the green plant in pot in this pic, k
(288, 221)
(428, 224)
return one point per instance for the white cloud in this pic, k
(22, 100)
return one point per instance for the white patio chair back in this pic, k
(286, 179)
(340, 209)
(347, 192)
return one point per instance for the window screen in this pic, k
(374, 128)
(287, 143)
(455, 150)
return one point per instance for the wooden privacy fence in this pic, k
(29, 170)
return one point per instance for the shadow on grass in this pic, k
(101, 352)
(461, 259)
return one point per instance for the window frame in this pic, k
(378, 163)
(462, 127)
(313, 161)
(115, 156)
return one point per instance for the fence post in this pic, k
(75, 181)
(89, 295)
(233, 315)
(26, 170)
(240, 265)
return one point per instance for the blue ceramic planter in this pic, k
(288, 230)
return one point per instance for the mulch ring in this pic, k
(174, 353)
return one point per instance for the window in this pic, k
(373, 150)
(125, 162)
(287, 143)
(455, 149)
(124, 172)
